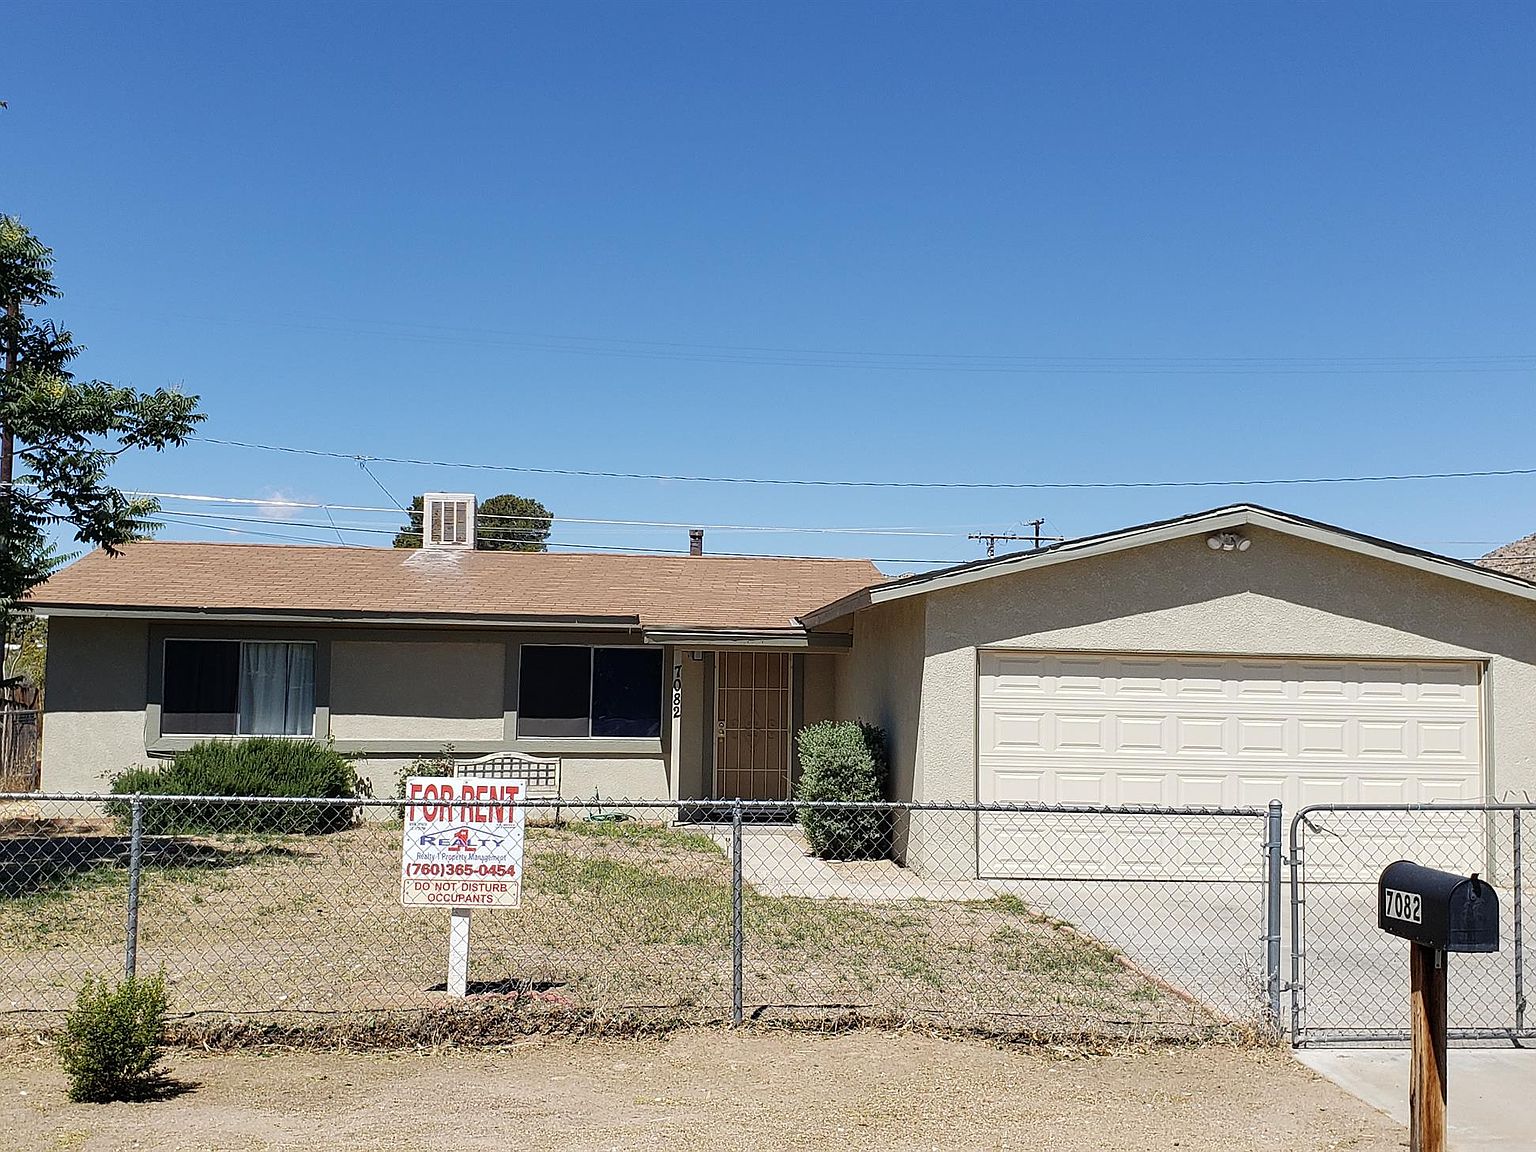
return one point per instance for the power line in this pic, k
(206, 520)
(257, 502)
(969, 485)
(175, 519)
(953, 362)
(201, 520)
(363, 464)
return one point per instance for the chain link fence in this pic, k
(1081, 922)
(1349, 979)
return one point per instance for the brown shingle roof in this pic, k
(705, 592)
(1516, 559)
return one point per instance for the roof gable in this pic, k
(1214, 520)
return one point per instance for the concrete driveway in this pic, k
(1490, 1105)
(1204, 938)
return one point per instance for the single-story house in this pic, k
(1223, 658)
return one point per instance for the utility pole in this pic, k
(1034, 539)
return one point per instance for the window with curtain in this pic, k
(238, 688)
(570, 690)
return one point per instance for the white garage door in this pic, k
(1094, 729)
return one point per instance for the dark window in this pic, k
(202, 687)
(233, 687)
(576, 691)
(626, 692)
(554, 691)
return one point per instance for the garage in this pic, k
(1226, 658)
(1125, 729)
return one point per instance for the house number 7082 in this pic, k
(1406, 906)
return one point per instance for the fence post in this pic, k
(1298, 945)
(736, 924)
(1272, 846)
(1519, 931)
(135, 866)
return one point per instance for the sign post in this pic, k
(461, 848)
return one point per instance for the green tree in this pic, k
(58, 435)
(505, 523)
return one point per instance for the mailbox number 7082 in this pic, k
(1408, 906)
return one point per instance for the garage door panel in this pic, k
(1016, 731)
(1385, 790)
(1200, 736)
(1195, 681)
(1259, 682)
(1080, 677)
(1318, 790)
(1201, 791)
(1063, 845)
(1257, 791)
(1261, 737)
(1141, 734)
(1446, 739)
(1015, 787)
(1081, 788)
(1143, 678)
(1447, 788)
(1079, 732)
(1320, 682)
(1126, 730)
(1380, 739)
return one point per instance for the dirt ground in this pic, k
(711, 1090)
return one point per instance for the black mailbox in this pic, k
(1438, 909)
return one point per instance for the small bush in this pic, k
(440, 764)
(844, 761)
(261, 766)
(111, 1043)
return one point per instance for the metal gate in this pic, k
(1349, 980)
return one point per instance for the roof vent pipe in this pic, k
(695, 541)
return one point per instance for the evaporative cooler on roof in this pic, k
(448, 520)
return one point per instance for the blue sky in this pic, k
(581, 235)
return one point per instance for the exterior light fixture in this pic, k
(1228, 542)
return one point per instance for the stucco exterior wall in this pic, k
(694, 747)
(436, 691)
(581, 777)
(94, 724)
(819, 690)
(1283, 597)
(386, 696)
(881, 682)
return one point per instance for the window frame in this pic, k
(240, 642)
(661, 712)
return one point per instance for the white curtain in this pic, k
(277, 689)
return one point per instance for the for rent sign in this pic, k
(463, 843)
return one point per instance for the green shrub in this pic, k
(261, 766)
(111, 1043)
(439, 764)
(844, 761)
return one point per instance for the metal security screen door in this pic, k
(752, 725)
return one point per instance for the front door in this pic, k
(752, 725)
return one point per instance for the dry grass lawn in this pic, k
(629, 918)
